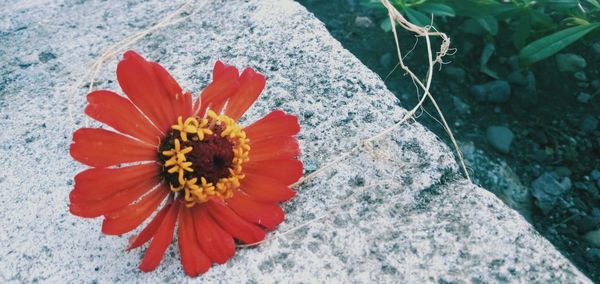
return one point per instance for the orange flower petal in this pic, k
(161, 240)
(251, 85)
(219, 90)
(214, 241)
(180, 104)
(193, 259)
(218, 69)
(138, 81)
(148, 232)
(274, 148)
(265, 189)
(268, 215)
(128, 218)
(276, 123)
(102, 148)
(286, 171)
(187, 105)
(100, 183)
(120, 114)
(233, 224)
(114, 202)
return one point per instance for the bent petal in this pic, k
(276, 123)
(137, 79)
(268, 215)
(128, 218)
(120, 114)
(223, 86)
(193, 259)
(286, 171)
(214, 241)
(100, 183)
(233, 224)
(102, 148)
(274, 148)
(251, 85)
(161, 240)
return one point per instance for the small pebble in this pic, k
(595, 174)
(584, 97)
(496, 91)
(570, 62)
(580, 76)
(593, 238)
(363, 22)
(455, 73)
(588, 124)
(566, 183)
(500, 138)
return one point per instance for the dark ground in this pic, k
(556, 134)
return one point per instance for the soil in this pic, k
(551, 126)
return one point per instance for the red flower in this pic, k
(221, 182)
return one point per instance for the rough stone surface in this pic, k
(419, 224)
(497, 177)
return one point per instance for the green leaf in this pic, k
(386, 25)
(594, 3)
(373, 4)
(476, 8)
(488, 50)
(559, 4)
(549, 45)
(489, 23)
(575, 21)
(437, 9)
(471, 26)
(416, 17)
(522, 30)
(541, 18)
(488, 71)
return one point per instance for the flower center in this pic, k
(203, 157)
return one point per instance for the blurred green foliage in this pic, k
(536, 28)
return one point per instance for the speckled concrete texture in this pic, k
(407, 217)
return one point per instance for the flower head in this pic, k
(217, 181)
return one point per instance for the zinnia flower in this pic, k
(219, 182)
